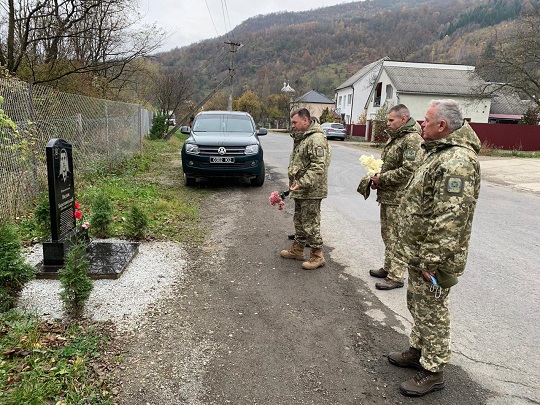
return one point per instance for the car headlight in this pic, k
(192, 149)
(252, 149)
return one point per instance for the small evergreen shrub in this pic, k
(379, 125)
(75, 283)
(14, 271)
(159, 126)
(101, 218)
(42, 215)
(326, 116)
(136, 223)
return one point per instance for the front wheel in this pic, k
(189, 181)
(259, 180)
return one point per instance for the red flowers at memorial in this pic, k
(79, 215)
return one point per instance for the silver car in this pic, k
(334, 130)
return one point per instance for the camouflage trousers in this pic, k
(388, 224)
(307, 222)
(431, 330)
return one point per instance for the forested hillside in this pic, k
(319, 49)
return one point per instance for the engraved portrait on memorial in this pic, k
(64, 171)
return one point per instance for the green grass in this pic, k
(488, 149)
(50, 363)
(152, 180)
(45, 363)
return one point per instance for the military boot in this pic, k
(388, 284)
(295, 252)
(409, 358)
(380, 273)
(422, 383)
(315, 261)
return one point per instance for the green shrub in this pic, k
(379, 125)
(101, 218)
(14, 271)
(42, 215)
(136, 223)
(159, 126)
(326, 116)
(75, 283)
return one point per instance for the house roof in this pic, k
(361, 73)
(506, 101)
(313, 97)
(450, 80)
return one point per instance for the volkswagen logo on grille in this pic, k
(221, 150)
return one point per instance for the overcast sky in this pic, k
(189, 21)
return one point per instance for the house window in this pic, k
(377, 97)
(349, 99)
(339, 101)
(389, 91)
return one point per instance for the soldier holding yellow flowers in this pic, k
(401, 156)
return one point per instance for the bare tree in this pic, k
(44, 41)
(512, 58)
(172, 90)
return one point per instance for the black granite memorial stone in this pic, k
(107, 260)
(61, 203)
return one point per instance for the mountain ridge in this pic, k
(320, 48)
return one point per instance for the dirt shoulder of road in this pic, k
(244, 326)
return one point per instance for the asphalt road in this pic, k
(496, 305)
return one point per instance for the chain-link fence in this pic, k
(99, 130)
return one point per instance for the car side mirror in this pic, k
(262, 131)
(186, 129)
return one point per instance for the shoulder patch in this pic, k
(409, 154)
(454, 185)
(319, 151)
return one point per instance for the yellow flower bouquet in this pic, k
(372, 165)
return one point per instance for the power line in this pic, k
(209, 12)
(226, 12)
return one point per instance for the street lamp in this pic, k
(288, 91)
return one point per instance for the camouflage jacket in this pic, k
(401, 156)
(436, 213)
(309, 163)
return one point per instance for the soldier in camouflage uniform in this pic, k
(308, 184)
(435, 222)
(401, 156)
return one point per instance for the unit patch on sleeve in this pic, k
(409, 154)
(454, 185)
(319, 151)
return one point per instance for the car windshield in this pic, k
(223, 123)
(337, 126)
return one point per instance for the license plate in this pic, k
(221, 160)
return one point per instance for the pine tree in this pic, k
(74, 280)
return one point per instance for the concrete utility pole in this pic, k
(233, 47)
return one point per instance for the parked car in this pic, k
(334, 130)
(171, 118)
(223, 144)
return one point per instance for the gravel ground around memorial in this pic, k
(122, 301)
